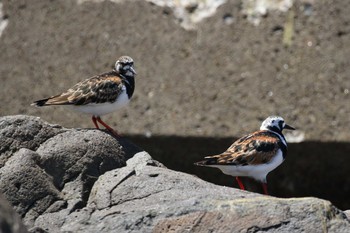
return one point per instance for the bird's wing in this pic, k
(98, 89)
(257, 148)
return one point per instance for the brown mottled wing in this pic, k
(252, 149)
(98, 89)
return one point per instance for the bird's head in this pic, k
(275, 123)
(125, 66)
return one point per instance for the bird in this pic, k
(253, 155)
(99, 95)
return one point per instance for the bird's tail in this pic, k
(209, 160)
(53, 100)
(40, 103)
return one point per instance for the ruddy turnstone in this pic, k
(100, 94)
(253, 155)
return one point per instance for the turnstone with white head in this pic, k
(253, 155)
(100, 94)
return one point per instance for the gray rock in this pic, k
(10, 222)
(189, 13)
(26, 185)
(145, 198)
(347, 213)
(47, 168)
(23, 132)
(88, 181)
(80, 152)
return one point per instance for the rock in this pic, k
(255, 10)
(10, 222)
(189, 13)
(47, 168)
(347, 213)
(23, 132)
(85, 180)
(26, 185)
(85, 152)
(142, 197)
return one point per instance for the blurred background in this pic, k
(209, 71)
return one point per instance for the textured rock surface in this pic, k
(221, 79)
(144, 198)
(83, 180)
(23, 132)
(10, 222)
(347, 213)
(43, 172)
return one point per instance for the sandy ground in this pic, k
(220, 80)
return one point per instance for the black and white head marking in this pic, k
(273, 123)
(125, 66)
(276, 124)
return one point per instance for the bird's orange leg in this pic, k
(95, 122)
(107, 127)
(241, 186)
(265, 188)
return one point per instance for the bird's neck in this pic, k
(282, 143)
(129, 82)
(280, 135)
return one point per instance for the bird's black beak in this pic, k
(289, 127)
(132, 70)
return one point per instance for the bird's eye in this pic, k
(281, 124)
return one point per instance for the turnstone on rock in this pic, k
(100, 94)
(253, 155)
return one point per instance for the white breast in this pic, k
(258, 172)
(103, 108)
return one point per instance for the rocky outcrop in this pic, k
(46, 166)
(85, 180)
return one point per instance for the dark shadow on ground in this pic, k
(319, 169)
